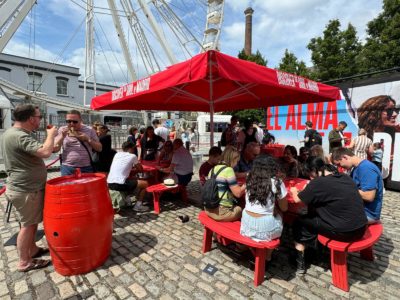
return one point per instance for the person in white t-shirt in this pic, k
(260, 132)
(118, 177)
(181, 164)
(160, 130)
(265, 200)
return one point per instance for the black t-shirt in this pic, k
(309, 133)
(336, 201)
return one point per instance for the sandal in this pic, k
(35, 264)
(41, 251)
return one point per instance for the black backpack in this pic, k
(316, 138)
(209, 195)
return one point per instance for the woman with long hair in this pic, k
(378, 114)
(265, 198)
(150, 143)
(289, 163)
(318, 151)
(336, 205)
(228, 188)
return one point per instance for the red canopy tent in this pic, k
(213, 82)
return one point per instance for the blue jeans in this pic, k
(68, 170)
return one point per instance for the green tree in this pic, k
(290, 63)
(252, 114)
(257, 115)
(382, 47)
(256, 58)
(335, 54)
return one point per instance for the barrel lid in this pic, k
(77, 178)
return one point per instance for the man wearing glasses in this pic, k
(27, 174)
(78, 142)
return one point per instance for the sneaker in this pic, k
(128, 201)
(140, 208)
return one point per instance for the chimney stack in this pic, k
(249, 23)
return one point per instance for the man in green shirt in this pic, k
(23, 159)
(336, 137)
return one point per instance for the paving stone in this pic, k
(3, 289)
(170, 286)
(38, 278)
(205, 287)
(236, 294)
(171, 275)
(186, 286)
(57, 278)
(44, 291)
(138, 290)
(116, 270)
(92, 278)
(20, 287)
(189, 276)
(121, 292)
(66, 290)
(181, 295)
(101, 291)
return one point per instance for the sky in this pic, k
(55, 31)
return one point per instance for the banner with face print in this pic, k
(374, 108)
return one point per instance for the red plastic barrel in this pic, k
(78, 222)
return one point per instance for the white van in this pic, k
(203, 127)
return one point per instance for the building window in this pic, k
(62, 86)
(34, 81)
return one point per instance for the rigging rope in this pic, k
(112, 50)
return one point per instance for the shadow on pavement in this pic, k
(140, 243)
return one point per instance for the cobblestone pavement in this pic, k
(158, 257)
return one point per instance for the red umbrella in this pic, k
(213, 82)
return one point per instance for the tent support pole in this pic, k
(211, 102)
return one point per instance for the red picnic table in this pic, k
(275, 150)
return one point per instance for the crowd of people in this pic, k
(344, 194)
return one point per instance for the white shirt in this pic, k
(342, 136)
(121, 167)
(162, 131)
(183, 161)
(259, 135)
(257, 208)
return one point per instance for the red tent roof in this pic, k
(218, 82)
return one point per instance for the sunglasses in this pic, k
(390, 111)
(72, 121)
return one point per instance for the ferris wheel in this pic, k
(150, 34)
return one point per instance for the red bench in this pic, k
(339, 252)
(231, 231)
(158, 189)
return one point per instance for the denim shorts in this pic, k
(264, 228)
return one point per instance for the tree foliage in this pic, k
(382, 48)
(256, 58)
(290, 63)
(252, 114)
(335, 54)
